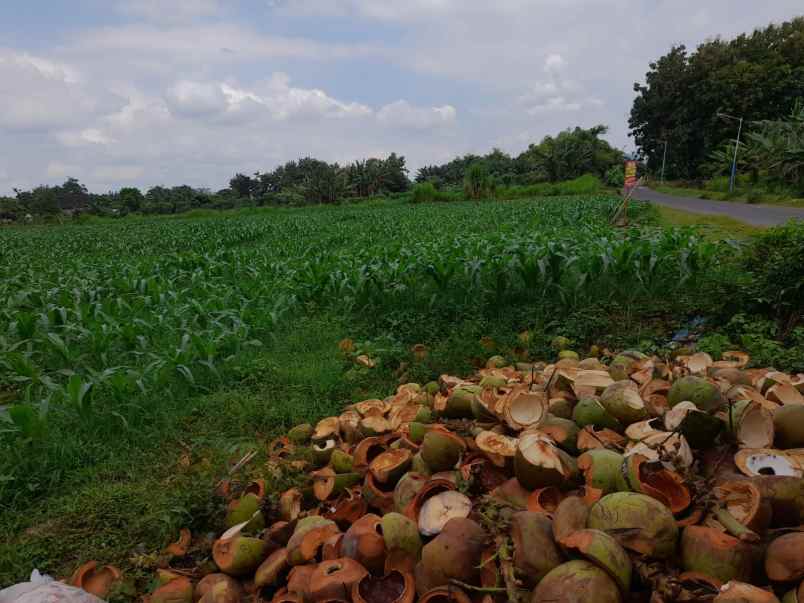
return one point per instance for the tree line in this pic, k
(570, 154)
(692, 103)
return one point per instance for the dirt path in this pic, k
(758, 215)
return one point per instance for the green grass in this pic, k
(136, 500)
(713, 227)
(740, 196)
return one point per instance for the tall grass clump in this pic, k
(478, 183)
(424, 192)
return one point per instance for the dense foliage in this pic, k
(569, 155)
(308, 181)
(758, 76)
(776, 263)
(316, 181)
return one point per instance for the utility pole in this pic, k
(664, 160)
(736, 147)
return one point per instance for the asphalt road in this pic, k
(758, 215)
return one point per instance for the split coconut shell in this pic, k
(539, 462)
(393, 587)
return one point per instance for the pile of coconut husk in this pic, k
(628, 479)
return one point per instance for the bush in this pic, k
(424, 192)
(775, 260)
(478, 183)
(585, 185)
(615, 176)
(754, 196)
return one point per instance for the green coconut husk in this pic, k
(621, 367)
(577, 582)
(459, 403)
(604, 551)
(622, 401)
(416, 432)
(493, 382)
(419, 465)
(272, 568)
(424, 415)
(700, 429)
(717, 554)
(301, 434)
(242, 510)
(590, 411)
(603, 469)
(639, 522)
(341, 461)
(560, 343)
(441, 451)
(701, 392)
(496, 362)
(401, 534)
(407, 488)
(561, 408)
(238, 556)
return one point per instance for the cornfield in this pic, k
(94, 316)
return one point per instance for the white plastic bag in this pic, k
(44, 589)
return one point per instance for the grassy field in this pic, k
(739, 196)
(713, 227)
(140, 357)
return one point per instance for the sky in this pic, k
(166, 92)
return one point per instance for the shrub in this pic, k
(754, 196)
(584, 185)
(478, 183)
(424, 192)
(775, 260)
(615, 176)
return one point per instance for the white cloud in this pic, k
(169, 10)
(196, 99)
(402, 114)
(37, 94)
(557, 92)
(87, 136)
(172, 91)
(155, 49)
(285, 101)
(139, 112)
(276, 98)
(554, 63)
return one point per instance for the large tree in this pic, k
(756, 76)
